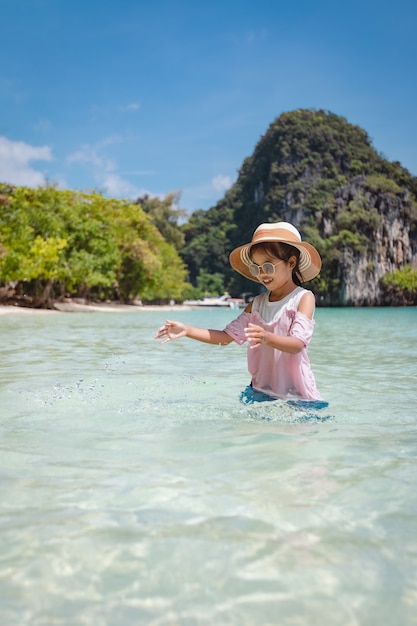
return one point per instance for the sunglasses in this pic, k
(265, 268)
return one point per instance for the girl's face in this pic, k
(282, 270)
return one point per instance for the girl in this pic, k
(278, 324)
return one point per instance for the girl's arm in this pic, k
(174, 330)
(257, 335)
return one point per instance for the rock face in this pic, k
(389, 242)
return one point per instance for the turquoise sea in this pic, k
(136, 490)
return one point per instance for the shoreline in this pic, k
(75, 307)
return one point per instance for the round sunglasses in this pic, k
(266, 268)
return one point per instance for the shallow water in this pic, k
(135, 489)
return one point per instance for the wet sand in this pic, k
(74, 307)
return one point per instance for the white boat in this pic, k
(223, 301)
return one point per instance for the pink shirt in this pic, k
(277, 373)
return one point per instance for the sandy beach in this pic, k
(74, 307)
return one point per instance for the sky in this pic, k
(134, 97)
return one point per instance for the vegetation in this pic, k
(311, 168)
(400, 286)
(165, 215)
(63, 243)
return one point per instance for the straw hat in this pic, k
(283, 232)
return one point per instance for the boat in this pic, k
(218, 301)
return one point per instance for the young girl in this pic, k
(278, 324)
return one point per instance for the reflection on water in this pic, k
(136, 489)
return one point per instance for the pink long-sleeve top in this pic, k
(279, 374)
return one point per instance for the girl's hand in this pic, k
(256, 335)
(171, 330)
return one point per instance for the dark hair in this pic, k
(282, 251)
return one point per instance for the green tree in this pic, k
(210, 284)
(400, 286)
(165, 215)
(56, 242)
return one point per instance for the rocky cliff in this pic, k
(385, 243)
(317, 171)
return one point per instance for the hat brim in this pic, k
(309, 265)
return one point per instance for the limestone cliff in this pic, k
(386, 243)
(317, 171)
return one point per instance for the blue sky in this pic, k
(157, 96)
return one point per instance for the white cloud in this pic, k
(133, 106)
(221, 183)
(95, 156)
(255, 36)
(104, 169)
(15, 162)
(139, 172)
(111, 140)
(90, 155)
(43, 126)
(116, 186)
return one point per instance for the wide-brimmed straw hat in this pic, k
(282, 232)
